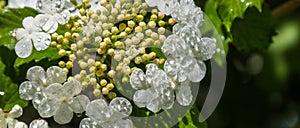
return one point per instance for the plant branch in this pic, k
(286, 8)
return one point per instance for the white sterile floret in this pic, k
(108, 116)
(154, 89)
(53, 13)
(31, 33)
(38, 81)
(61, 101)
(7, 119)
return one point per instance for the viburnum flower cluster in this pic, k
(8, 119)
(154, 47)
(50, 97)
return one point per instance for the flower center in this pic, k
(64, 100)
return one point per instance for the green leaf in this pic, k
(9, 20)
(231, 9)
(255, 31)
(50, 53)
(9, 92)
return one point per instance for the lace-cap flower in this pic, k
(108, 116)
(61, 103)
(7, 120)
(38, 81)
(154, 89)
(31, 33)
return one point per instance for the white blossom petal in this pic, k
(88, 123)
(37, 74)
(16, 112)
(51, 25)
(184, 94)
(21, 125)
(20, 33)
(64, 114)
(29, 24)
(23, 48)
(98, 110)
(55, 90)
(48, 108)
(122, 105)
(41, 40)
(27, 90)
(72, 87)
(80, 103)
(56, 74)
(63, 17)
(38, 123)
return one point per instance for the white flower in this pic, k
(154, 90)
(54, 13)
(61, 103)
(7, 120)
(108, 116)
(31, 33)
(38, 81)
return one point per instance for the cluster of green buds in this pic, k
(96, 45)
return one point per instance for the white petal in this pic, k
(16, 112)
(63, 17)
(41, 19)
(184, 94)
(51, 25)
(138, 79)
(122, 105)
(154, 105)
(88, 123)
(21, 125)
(55, 90)
(72, 87)
(151, 3)
(38, 123)
(64, 114)
(29, 24)
(56, 75)
(142, 97)
(41, 40)
(36, 74)
(38, 98)
(48, 108)
(3, 123)
(198, 72)
(11, 122)
(16, 4)
(27, 90)
(80, 103)
(20, 33)
(98, 110)
(23, 48)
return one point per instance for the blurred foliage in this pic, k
(9, 92)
